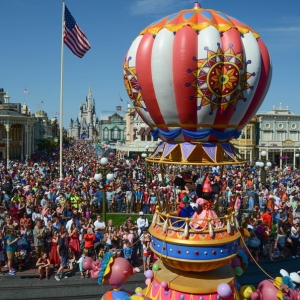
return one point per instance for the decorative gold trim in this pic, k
(198, 156)
(165, 238)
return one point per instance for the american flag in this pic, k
(74, 38)
(25, 91)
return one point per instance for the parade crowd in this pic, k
(55, 220)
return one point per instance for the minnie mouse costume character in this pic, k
(205, 203)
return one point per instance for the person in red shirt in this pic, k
(267, 217)
(89, 240)
(13, 210)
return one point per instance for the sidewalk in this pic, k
(33, 272)
(71, 288)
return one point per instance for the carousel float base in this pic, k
(189, 285)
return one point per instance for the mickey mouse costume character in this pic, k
(182, 182)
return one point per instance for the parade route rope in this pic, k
(254, 260)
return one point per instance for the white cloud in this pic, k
(157, 7)
(291, 29)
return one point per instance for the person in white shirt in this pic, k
(71, 221)
(141, 222)
(99, 224)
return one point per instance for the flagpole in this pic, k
(61, 93)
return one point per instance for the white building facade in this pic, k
(279, 136)
(138, 136)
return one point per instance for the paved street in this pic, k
(29, 287)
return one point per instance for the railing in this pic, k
(210, 225)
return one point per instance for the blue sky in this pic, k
(30, 32)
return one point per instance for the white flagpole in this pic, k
(61, 93)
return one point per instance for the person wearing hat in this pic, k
(185, 212)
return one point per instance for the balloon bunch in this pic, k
(239, 263)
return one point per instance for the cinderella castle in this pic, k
(86, 126)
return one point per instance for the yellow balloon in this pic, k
(138, 289)
(246, 290)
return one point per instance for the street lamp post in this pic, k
(98, 177)
(7, 127)
(147, 154)
(263, 171)
(144, 155)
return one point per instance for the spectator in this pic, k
(43, 264)
(62, 252)
(39, 238)
(11, 248)
(100, 224)
(146, 255)
(295, 237)
(142, 223)
(127, 250)
(89, 240)
(267, 218)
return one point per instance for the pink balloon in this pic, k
(255, 296)
(87, 263)
(95, 274)
(96, 265)
(148, 281)
(139, 294)
(164, 284)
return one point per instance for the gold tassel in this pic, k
(211, 230)
(186, 230)
(165, 228)
(228, 226)
(154, 219)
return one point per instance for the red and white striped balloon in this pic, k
(198, 72)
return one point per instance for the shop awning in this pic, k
(141, 131)
(147, 131)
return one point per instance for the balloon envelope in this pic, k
(197, 75)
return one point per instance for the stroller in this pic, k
(23, 253)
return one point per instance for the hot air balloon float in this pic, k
(196, 77)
